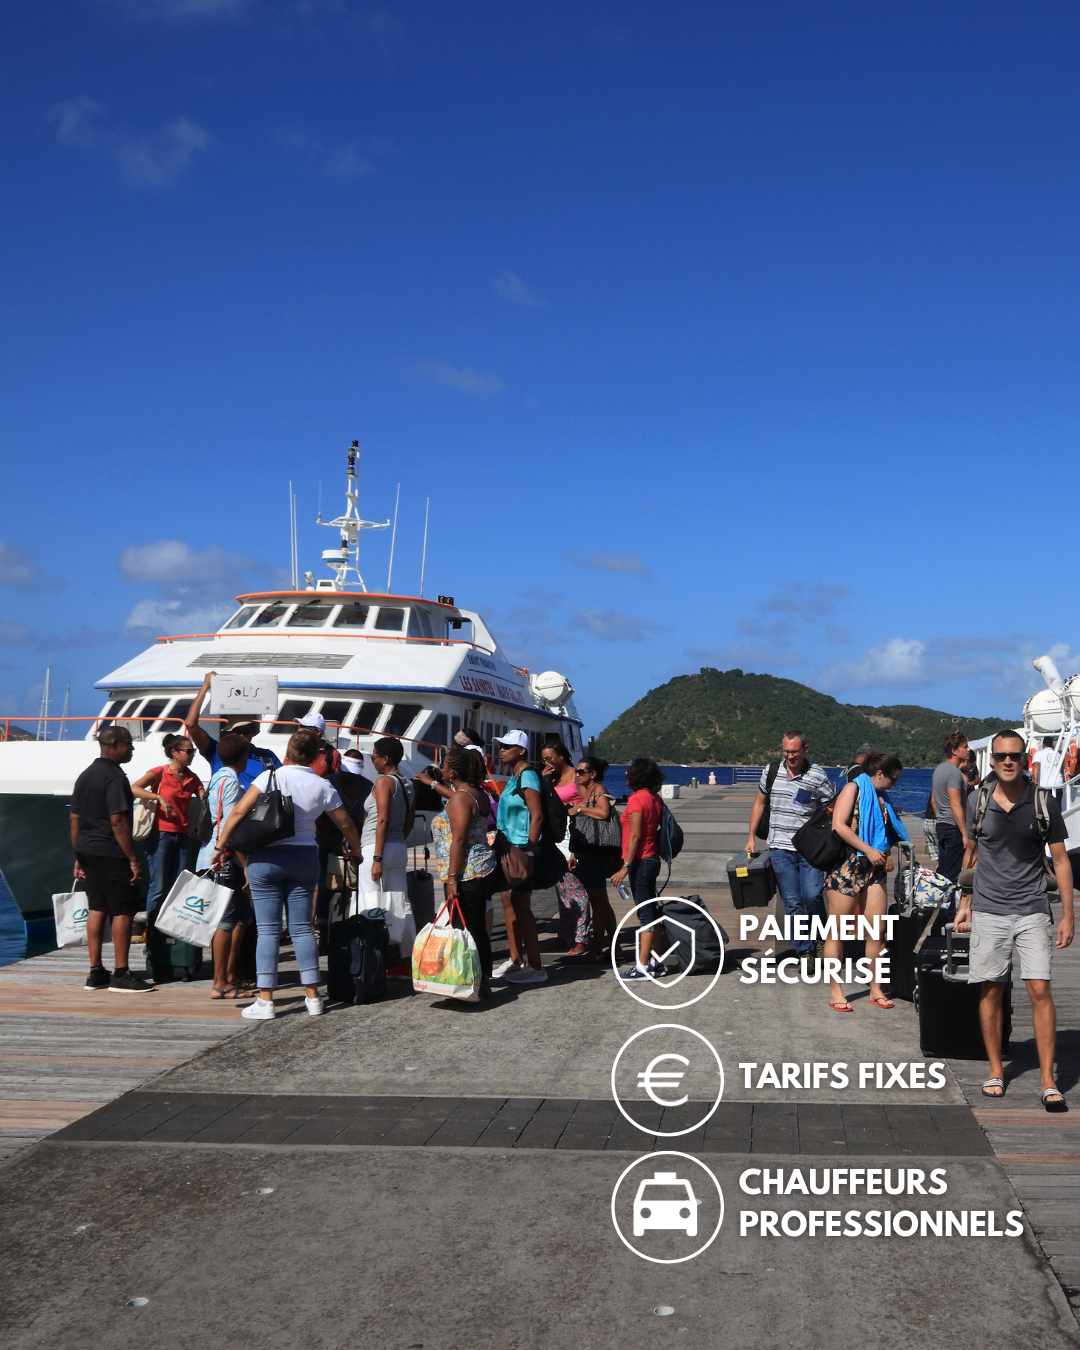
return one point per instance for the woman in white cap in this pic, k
(520, 822)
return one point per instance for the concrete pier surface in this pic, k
(417, 1173)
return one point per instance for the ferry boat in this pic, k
(1052, 712)
(372, 664)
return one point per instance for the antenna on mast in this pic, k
(43, 726)
(294, 552)
(393, 540)
(346, 558)
(67, 703)
(423, 558)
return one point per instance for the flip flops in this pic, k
(885, 1003)
(1059, 1105)
(991, 1083)
(841, 1007)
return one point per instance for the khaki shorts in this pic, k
(992, 939)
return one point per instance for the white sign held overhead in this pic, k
(252, 692)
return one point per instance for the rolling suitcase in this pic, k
(903, 958)
(356, 959)
(421, 892)
(701, 954)
(948, 1006)
(751, 880)
(168, 958)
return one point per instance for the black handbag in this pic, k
(818, 842)
(270, 819)
(589, 835)
(200, 821)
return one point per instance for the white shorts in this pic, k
(992, 939)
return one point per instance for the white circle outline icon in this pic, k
(668, 1007)
(668, 1134)
(671, 1260)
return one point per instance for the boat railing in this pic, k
(328, 633)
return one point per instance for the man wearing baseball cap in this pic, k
(328, 760)
(259, 760)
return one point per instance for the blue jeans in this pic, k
(283, 877)
(950, 845)
(643, 875)
(165, 852)
(800, 887)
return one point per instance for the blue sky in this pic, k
(717, 334)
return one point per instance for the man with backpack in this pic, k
(789, 794)
(1011, 821)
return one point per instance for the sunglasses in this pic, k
(580, 773)
(1015, 755)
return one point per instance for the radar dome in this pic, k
(552, 687)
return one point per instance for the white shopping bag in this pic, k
(445, 959)
(71, 913)
(193, 909)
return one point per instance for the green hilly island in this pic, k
(726, 717)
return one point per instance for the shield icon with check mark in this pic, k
(686, 934)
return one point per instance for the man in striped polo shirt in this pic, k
(798, 791)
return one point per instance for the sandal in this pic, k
(992, 1083)
(230, 991)
(1056, 1106)
(841, 1007)
(881, 1002)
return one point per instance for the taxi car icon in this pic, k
(665, 1200)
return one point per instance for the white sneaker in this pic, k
(315, 1006)
(500, 971)
(262, 1010)
(526, 975)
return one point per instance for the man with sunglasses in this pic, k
(1010, 906)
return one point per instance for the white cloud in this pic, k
(626, 564)
(804, 602)
(512, 288)
(344, 162)
(14, 632)
(469, 381)
(155, 160)
(612, 625)
(195, 591)
(899, 662)
(19, 570)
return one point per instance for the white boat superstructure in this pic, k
(372, 664)
(1052, 712)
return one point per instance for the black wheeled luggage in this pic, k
(948, 1006)
(697, 949)
(751, 880)
(903, 959)
(356, 958)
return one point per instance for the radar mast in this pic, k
(346, 558)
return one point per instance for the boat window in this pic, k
(270, 617)
(310, 616)
(455, 726)
(109, 713)
(366, 719)
(337, 716)
(352, 616)
(152, 710)
(177, 713)
(433, 742)
(291, 711)
(419, 624)
(391, 620)
(240, 618)
(401, 718)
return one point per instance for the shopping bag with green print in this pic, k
(444, 957)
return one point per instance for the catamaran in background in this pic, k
(1054, 712)
(372, 664)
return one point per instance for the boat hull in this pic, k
(35, 851)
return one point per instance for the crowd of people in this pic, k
(555, 825)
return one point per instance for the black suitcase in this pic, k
(356, 959)
(707, 950)
(948, 1006)
(903, 959)
(168, 958)
(751, 880)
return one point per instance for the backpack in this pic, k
(1042, 816)
(670, 837)
(762, 831)
(552, 808)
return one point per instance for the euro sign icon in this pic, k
(654, 1080)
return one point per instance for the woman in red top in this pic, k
(641, 856)
(171, 787)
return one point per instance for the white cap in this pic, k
(514, 738)
(477, 748)
(350, 765)
(316, 720)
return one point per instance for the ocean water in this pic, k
(910, 794)
(12, 927)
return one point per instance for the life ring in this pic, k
(1068, 769)
(1031, 759)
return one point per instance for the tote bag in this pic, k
(193, 908)
(71, 912)
(445, 960)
